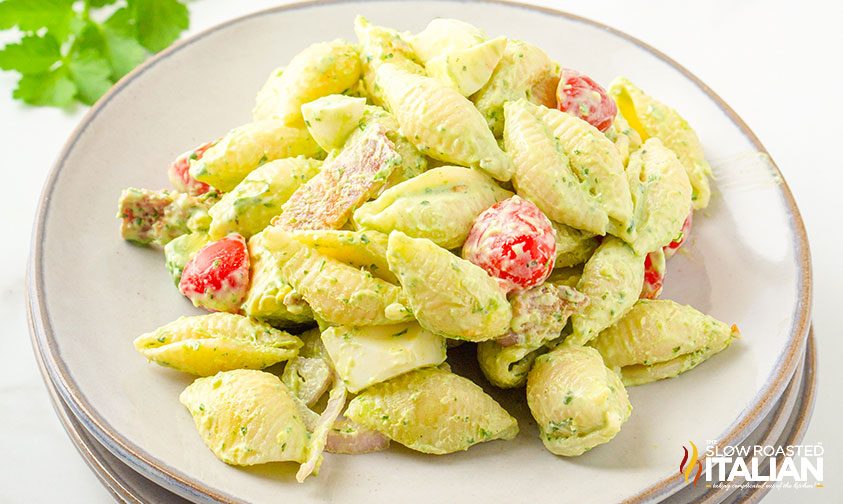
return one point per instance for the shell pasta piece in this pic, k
(247, 417)
(652, 118)
(524, 72)
(660, 339)
(576, 400)
(594, 159)
(448, 295)
(543, 172)
(440, 205)
(662, 195)
(320, 70)
(612, 279)
(245, 148)
(250, 206)
(441, 122)
(362, 249)
(206, 344)
(432, 411)
(341, 294)
(271, 298)
(379, 45)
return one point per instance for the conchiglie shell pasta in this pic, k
(245, 148)
(440, 122)
(543, 172)
(524, 72)
(612, 279)
(250, 206)
(271, 298)
(432, 411)
(577, 401)
(652, 118)
(247, 417)
(662, 195)
(440, 205)
(595, 160)
(320, 70)
(379, 45)
(341, 294)
(448, 295)
(362, 249)
(660, 339)
(206, 344)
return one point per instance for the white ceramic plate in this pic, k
(746, 263)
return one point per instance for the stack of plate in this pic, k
(90, 293)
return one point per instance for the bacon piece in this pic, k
(539, 314)
(346, 181)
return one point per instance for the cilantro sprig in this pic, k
(75, 50)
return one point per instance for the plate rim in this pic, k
(44, 338)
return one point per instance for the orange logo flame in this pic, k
(686, 467)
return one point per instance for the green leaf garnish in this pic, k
(68, 54)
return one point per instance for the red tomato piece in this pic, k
(654, 269)
(514, 242)
(673, 246)
(578, 95)
(179, 173)
(217, 277)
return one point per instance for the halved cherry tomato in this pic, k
(179, 172)
(578, 95)
(513, 241)
(673, 246)
(217, 277)
(654, 269)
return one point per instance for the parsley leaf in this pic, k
(159, 22)
(32, 15)
(124, 52)
(52, 88)
(91, 73)
(33, 54)
(66, 54)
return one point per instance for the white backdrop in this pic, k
(776, 63)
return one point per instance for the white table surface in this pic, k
(776, 63)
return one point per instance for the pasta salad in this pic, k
(409, 192)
